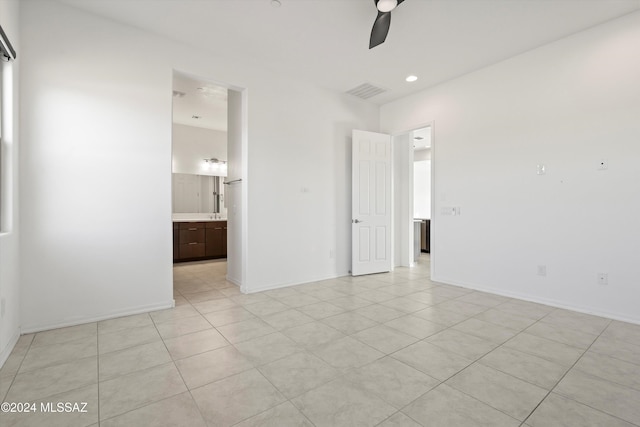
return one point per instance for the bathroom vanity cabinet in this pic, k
(199, 240)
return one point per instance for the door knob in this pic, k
(357, 221)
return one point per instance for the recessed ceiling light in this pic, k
(386, 5)
(411, 78)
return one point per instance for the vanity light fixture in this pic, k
(214, 165)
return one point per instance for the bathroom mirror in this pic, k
(198, 194)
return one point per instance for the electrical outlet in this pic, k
(603, 279)
(541, 169)
(542, 270)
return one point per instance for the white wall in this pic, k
(96, 170)
(236, 193)
(191, 145)
(402, 201)
(9, 231)
(299, 201)
(422, 184)
(95, 165)
(566, 105)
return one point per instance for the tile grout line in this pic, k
(176, 367)
(307, 350)
(344, 371)
(256, 367)
(467, 367)
(462, 391)
(564, 375)
(13, 379)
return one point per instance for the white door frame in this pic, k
(408, 203)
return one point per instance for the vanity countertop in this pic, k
(198, 219)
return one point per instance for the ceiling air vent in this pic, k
(366, 91)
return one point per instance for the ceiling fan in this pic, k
(383, 21)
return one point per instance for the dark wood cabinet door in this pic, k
(214, 242)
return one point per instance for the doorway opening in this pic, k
(413, 196)
(207, 166)
(422, 194)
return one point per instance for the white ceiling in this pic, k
(326, 41)
(202, 99)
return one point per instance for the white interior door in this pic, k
(371, 203)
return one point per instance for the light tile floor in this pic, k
(389, 350)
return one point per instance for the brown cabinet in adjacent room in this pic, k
(216, 239)
(194, 241)
(176, 241)
(425, 236)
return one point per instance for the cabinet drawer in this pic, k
(191, 236)
(192, 250)
(191, 225)
(216, 224)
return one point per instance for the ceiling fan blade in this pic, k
(380, 29)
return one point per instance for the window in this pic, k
(3, 168)
(7, 54)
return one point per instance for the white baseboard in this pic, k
(88, 319)
(545, 301)
(233, 280)
(287, 284)
(4, 354)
